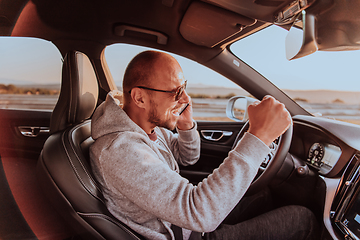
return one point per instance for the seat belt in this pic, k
(177, 232)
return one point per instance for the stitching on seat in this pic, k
(85, 169)
(76, 171)
(78, 82)
(74, 100)
(69, 70)
(95, 215)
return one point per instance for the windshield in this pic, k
(324, 83)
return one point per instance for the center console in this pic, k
(346, 214)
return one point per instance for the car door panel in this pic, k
(217, 139)
(25, 212)
(23, 131)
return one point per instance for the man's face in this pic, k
(164, 108)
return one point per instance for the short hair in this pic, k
(140, 70)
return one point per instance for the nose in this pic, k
(185, 98)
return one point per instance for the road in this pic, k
(204, 109)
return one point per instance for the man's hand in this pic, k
(185, 121)
(268, 119)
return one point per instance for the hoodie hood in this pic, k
(109, 118)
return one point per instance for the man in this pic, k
(135, 158)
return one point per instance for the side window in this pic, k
(209, 90)
(30, 73)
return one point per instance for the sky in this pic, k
(265, 51)
(320, 70)
(118, 56)
(29, 61)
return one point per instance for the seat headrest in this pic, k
(79, 92)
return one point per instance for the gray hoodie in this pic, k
(140, 177)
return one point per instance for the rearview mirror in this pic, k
(300, 40)
(236, 108)
(325, 26)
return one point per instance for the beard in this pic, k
(154, 118)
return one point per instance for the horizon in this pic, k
(189, 85)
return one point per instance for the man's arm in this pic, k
(185, 145)
(151, 185)
(139, 174)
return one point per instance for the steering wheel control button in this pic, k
(302, 171)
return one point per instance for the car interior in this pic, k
(79, 192)
(47, 187)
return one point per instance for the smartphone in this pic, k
(182, 110)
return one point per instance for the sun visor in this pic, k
(337, 26)
(207, 25)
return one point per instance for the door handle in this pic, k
(32, 131)
(215, 135)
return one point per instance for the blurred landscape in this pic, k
(209, 102)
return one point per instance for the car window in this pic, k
(209, 90)
(30, 73)
(324, 83)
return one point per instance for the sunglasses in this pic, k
(178, 92)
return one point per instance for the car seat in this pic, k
(63, 169)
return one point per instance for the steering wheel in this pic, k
(272, 163)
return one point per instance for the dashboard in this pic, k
(332, 149)
(323, 156)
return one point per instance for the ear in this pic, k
(139, 97)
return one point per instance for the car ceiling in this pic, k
(197, 29)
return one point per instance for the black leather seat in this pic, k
(63, 169)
